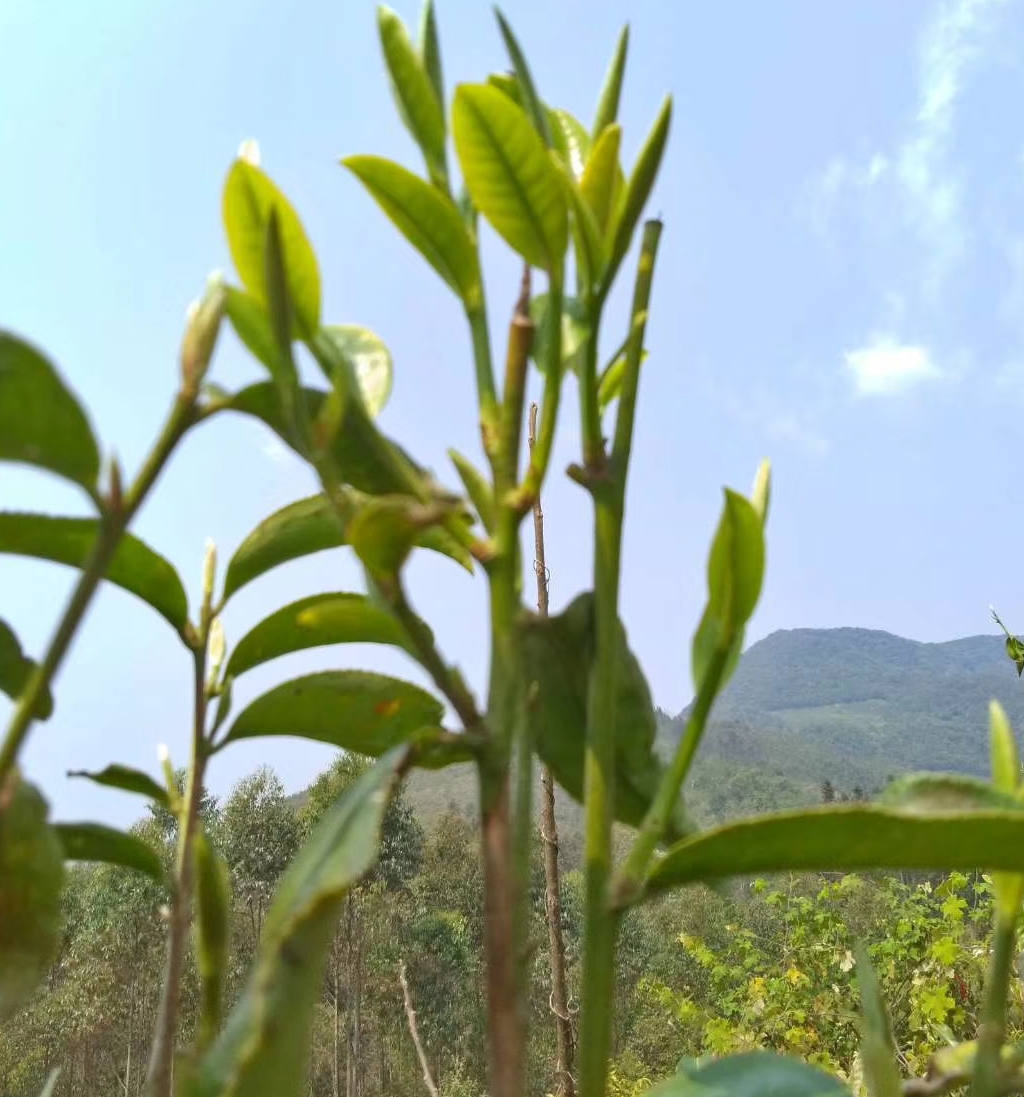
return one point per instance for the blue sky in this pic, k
(841, 288)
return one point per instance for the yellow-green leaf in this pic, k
(611, 90)
(418, 102)
(249, 197)
(371, 362)
(509, 176)
(427, 218)
(602, 177)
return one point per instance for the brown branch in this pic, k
(410, 1016)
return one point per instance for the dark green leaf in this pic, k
(531, 101)
(316, 621)
(477, 488)
(638, 190)
(753, 1074)
(212, 931)
(430, 50)
(608, 102)
(847, 838)
(96, 842)
(264, 1046)
(352, 709)
(509, 175)
(31, 880)
(427, 218)
(41, 423)
(15, 671)
(371, 362)
(300, 529)
(249, 198)
(126, 779)
(418, 104)
(135, 566)
(558, 656)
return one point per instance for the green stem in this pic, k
(113, 524)
(160, 1074)
(992, 1031)
(540, 455)
(601, 918)
(486, 393)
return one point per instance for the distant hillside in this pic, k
(856, 705)
(852, 706)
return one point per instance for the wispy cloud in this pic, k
(776, 421)
(886, 367)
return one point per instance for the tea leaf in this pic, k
(477, 488)
(558, 656)
(934, 793)
(735, 575)
(603, 183)
(41, 423)
(418, 103)
(352, 709)
(427, 218)
(212, 931)
(638, 190)
(127, 780)
(575, 330)
(31, 880)
(371, 362)
(571, 141)
(611, 379)
(252, 325)
(877, 1048)
(300, 529)
(611, 90)
(530, 100)
(586, 235)
(15, 671)
(135, 566)
(316, 621)
(509, 176)
(753, 1074)
(1006, 773)
(100, 843)
(249, 197)
(430, 50)
(844, 839)
(264, 1046)
(384, 530)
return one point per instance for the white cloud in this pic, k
(886, 367)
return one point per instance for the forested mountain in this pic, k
(847, 705)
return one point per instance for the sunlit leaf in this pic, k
(611, 91)
(639, 187)
(41, 423)
(877, 1047)
(249, 197)
(934, 793)
(602, 180)
(847, 838)
(571, 141)
(127, 780)
(300, 529)
(135, 566)
(530, 100)
(264, 1047)
(99, 843)
(558, 656)
(252, 325)
(586, 236)
(418, 103)
(31, 879)
(16, 669)
(430, 50)
(610, 385)
(352, 709)
(317, 621)
(753, 1074)
(509, 176)
(370, 359)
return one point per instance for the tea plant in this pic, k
(565, 689)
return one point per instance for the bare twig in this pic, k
(410, 1016)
